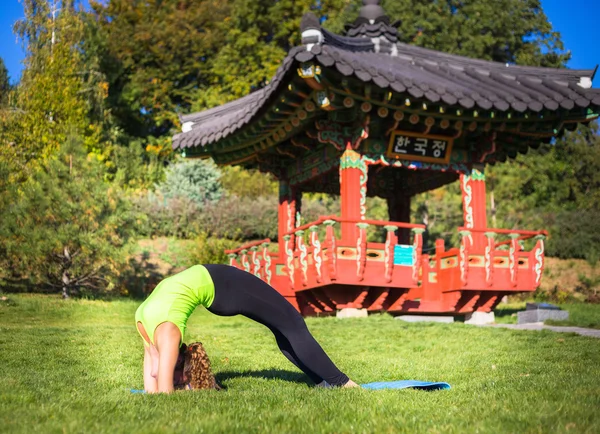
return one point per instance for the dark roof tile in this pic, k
(467, 103)
(535, 106)
(325, 60)
(567, 104)
(344, 69)
(304, 56)
(363, 75)
(381, 82)
(519, 106)
(397, 86)
(316, 49)
(449, 99)
(388, 74)
(501, 105)
(420, 72)
(415, 91)
(550, 105)
(432, 96)
(484, 103)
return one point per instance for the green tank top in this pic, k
(175, 298)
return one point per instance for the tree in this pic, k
(65, 229)
(172, 56)
(556, 187)
(197, 180)
(249, 184)
(51, 98)
(4, 84)
(157, 54)
(506, 31)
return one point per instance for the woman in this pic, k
(224, 291)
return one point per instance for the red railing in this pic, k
(296, 248)
(300, 250)
(491, 249)
(261, 262)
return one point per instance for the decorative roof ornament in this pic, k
(373, 23)
(311, 30)
(372, 11)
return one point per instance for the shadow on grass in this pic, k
(503, 313)
(267, 374)
(137, 280)
(141, 276)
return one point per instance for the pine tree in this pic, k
(197, 180)
(51, 99)
(64, 229)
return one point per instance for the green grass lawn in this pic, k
(68, 367)
(580, 314)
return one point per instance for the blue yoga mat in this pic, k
(406, 384)
(400, 384)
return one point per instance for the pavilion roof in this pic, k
(372, 55)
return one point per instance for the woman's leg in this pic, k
(286, 349)
(238, 292)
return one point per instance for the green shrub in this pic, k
(196, 180)
(134, 168)
(589, 287)
(247, 218)
(575, 234)
(250, 184)
(241, 218)
(207, 250)
(176, 217)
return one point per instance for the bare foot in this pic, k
(350, 383)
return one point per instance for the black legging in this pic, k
(240, 293)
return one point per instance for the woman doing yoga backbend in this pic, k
(224, 291)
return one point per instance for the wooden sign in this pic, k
(405, 145)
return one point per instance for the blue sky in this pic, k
(578, 21)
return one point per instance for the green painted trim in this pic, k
(477, 175)
(351, 160)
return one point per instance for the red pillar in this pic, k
(353, 192)
(286, 213)
(399, 211)
(474, 204)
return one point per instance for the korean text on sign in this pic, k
(420, 146)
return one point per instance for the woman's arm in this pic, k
(150, 369)
(167, 338)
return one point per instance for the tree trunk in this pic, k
(65, 288)
(66, 280)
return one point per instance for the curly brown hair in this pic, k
(196, 368)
